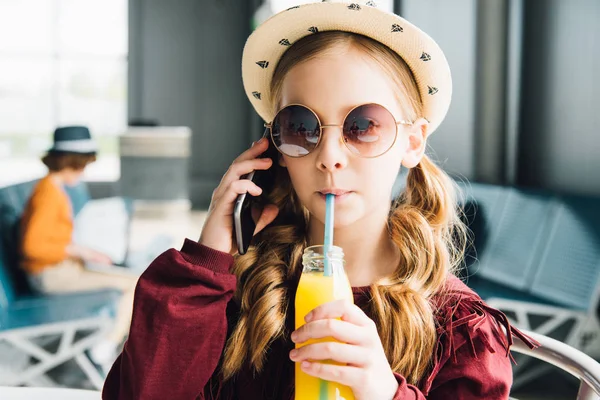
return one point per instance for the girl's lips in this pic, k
(337, 192)
(338, 198)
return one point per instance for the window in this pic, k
(62, 62)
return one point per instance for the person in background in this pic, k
(52, 262)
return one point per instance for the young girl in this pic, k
(209, 325)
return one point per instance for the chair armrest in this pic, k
(563, 356)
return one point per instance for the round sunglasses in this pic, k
(369, 130)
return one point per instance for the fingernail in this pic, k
(261, 140)
(253, 143)
(293, 353)
(305, 365)
(308, 317)
(294, 336)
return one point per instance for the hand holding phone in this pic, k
(218, 229)
(246, 204)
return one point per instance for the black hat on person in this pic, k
(73, 140)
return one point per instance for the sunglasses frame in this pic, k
(321, 126)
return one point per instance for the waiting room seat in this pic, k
(536, 257)
(46, 330)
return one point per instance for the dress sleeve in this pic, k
(178, 328)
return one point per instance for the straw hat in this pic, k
(269, 41)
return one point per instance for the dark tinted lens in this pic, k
(296, 131)
(369, 130)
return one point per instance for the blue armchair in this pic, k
(536, 257)
(27, 319)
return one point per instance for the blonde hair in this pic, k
(423, 223)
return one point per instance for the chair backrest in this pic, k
(567, 358)
(6, 286)
(13, 200)
(483, 206)
(79, 196)
(540, 243)
(513, 223)
(569, 267)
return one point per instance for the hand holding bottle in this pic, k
(367, 373)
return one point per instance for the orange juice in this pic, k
(314, 289)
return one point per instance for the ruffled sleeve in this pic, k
(472, 356)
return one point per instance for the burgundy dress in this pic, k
(183, 310)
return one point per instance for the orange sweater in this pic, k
(46, 227)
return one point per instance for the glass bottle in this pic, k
(314, 289)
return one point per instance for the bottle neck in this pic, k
(313, 259)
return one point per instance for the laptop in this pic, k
(105, 225)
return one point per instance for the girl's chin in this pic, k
(343, 216)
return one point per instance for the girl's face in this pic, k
(331, 85)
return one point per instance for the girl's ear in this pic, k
(417, 141)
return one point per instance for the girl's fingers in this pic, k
(334, 351)
(217, 231)
(234, 189)
(340, 330)
(342, 309)
(254, 151)
(239, 169)
(344, 374)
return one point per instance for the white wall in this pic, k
(452, 25)
(560, 119)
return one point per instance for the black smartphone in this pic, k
(243, 222)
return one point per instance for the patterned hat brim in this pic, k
(266, 45)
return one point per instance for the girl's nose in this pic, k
(332, 154)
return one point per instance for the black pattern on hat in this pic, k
(256, 95)
(313, 29)
(397, 28)
(291, 8)
(371, 3)
(354, 7)
(432, 89)
(263, 64)
(285, 42)
(425, 57)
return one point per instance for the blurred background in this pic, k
(523, 110)
(159, 85)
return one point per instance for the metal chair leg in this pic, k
(90, 371)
